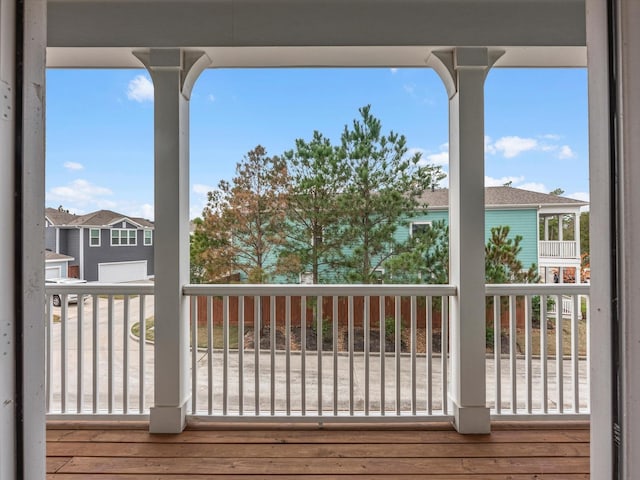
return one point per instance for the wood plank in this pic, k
(320, 466)
(564, 476)
(55, 463)
(364, 450)
(320, 436)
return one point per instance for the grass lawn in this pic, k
(202, 334)
(551, 339)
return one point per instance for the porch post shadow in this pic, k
(174, 72)
(463, 71)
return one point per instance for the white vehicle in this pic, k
(72, 297)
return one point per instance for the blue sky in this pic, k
(100, 126)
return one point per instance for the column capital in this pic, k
(189, 63)
(448, 63)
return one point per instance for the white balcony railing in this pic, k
(540, 362)
(557, 249)
(320, 351)
(323, 351)
(94, 366)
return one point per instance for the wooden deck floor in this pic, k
(426, 451)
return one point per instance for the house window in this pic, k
(148, 237)
(418, 228)
(378, 275)
(94, 237)
(123, 236)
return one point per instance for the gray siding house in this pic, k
(106, 246)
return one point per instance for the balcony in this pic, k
(554, 249)
(326, 353)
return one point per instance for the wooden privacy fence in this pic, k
(343, 310)
(327, 310)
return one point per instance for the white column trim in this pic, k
(463, 71)
(174, 73)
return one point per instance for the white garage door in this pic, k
(122, 271)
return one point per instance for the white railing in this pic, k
(93, 366)
(558, 249)
(538, 367)
(354, 352)
(339, 351)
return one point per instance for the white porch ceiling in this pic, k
(315, 33)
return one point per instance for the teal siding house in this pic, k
(531, 215)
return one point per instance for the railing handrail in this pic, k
(100, 288)
(537, 289)
(319, 290)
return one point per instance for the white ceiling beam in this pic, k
(271, 33)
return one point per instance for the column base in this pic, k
(168, 419)
(469, 420)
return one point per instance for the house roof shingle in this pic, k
(99, 218)
(50, 256)
(503, 196)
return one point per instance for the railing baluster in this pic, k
(513, 354)
(588, 341)
(559, 354)
(351, 365)
(64, 309)
(110, 355)
(241, 355)
(497, 351)
(49, 354)
(319, 300)
(125, 356)
(334, 335)
(194, 354)
(141, 352)
(528, 351)
(80, 353)
(96, 353)
(444, 342)
(398, 339)
(367, 348)
(382, 354)
(303, 354)
(210, 339)
(574, 354)
(414, 339)
(544, 374)
(257, 328)
(272, 331)
(429, 352)
(288, 351)
(225, 354)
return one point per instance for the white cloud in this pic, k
(409, 88)
(513, 146)
(488, 146)
(80, 195)
(534, 187)
(441, 158)
(394, 71)
(211, 98)
(551, 136)
(583, 196)
(498, 182)
(566, 152)
(201, 189)
(140, 89)
(73, 166)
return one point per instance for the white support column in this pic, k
(560, 227)
(463, 71)
(173, 72)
